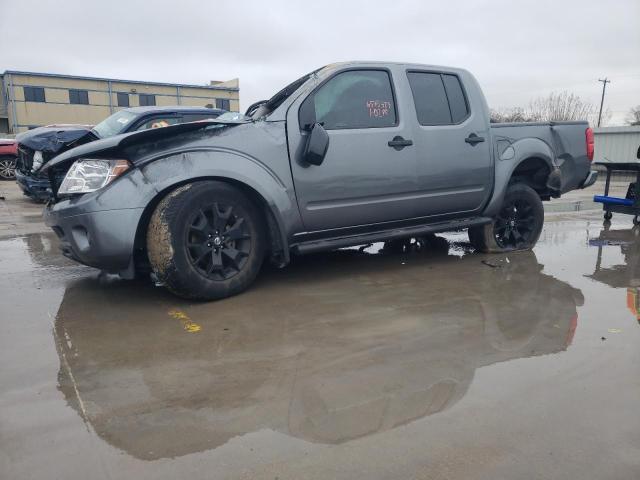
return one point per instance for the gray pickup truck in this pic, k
(349, 154)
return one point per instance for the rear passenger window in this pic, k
(430, 98)
(457, 101)
(353, 99)
(439, 99)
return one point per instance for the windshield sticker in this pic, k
(123, 121)
(378, 108)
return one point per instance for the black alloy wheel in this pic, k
(515, 225)
(218, 242)
(206, 240)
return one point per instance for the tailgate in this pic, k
(569, 141)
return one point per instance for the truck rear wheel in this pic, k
(516, 227)
(206, 240)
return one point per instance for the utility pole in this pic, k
(604, 87)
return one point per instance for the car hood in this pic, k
(53, 138)
(121, 141)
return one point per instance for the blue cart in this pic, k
(630, 205)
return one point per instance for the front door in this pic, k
(363, 179)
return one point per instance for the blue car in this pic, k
(38, 146)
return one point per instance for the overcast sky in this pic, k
(517, 49)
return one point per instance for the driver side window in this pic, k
(352, 99)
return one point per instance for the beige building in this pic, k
(31, 100)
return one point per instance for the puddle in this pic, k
(576, 206)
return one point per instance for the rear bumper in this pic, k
(101, 239)
(34, 187)
(590, 180)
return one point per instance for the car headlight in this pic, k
(89, 175)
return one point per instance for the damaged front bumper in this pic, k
(37, 188)
(100, 239)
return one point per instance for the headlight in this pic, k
(89, 175)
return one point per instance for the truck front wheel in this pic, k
(206, 240)
(516, 227)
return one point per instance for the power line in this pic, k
(604, 87)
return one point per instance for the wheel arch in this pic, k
(529, 161)
(278, 244)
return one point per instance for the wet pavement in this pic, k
(435, 362)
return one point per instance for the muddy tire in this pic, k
(206, 240)
(516, 227)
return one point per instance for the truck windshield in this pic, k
(274, 102)
(114, 125)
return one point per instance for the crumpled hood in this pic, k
(123, 140)
(52, 138)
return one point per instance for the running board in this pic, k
(386, 235)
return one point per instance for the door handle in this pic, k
(399, 143)
(472, 139)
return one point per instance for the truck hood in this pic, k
(53, 138)
(118, 142)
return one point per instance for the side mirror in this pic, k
(317, 145)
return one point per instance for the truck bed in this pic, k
(565, 139)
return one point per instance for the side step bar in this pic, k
(386, 235)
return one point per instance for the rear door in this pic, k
(454, 163)
(363, 179)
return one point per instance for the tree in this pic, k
(555, 107)
(633, 117)
(561, 106)
(509, 115)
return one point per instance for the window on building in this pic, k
(78, 97)
(123, 99)
(223, 103)
(353, 99)
(34, 94)
(147, 100)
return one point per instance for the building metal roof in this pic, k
(138, 82)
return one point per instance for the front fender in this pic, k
(509, 156)
(166, 172)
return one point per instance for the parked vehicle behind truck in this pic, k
(350, 154)
(38, 146)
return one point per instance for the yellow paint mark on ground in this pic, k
(614, 330)
(189, 325)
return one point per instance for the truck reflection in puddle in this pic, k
(623, 275)
(339, 346)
